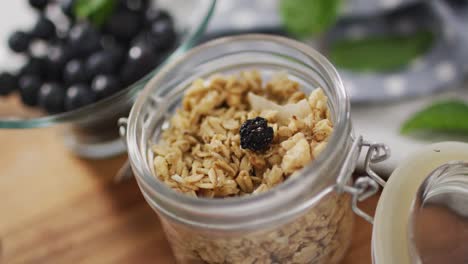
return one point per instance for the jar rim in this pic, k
(151, 186)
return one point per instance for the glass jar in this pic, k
(307, 219)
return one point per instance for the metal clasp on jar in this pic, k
(366, 186)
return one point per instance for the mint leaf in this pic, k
(382, 53)
(445, 116)
(96, 11)
(308, 17)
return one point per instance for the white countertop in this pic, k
(382, 122)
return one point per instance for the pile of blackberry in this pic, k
(85, 63)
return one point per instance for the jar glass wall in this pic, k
(303, 220)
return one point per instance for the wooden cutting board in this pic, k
(57, 208)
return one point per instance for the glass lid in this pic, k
(421, 216)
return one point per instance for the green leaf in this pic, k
(445, 116)
(308, 17)
(382, 53)
(97, 11)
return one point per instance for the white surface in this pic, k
(389, 234)
(14, 15)
(382, 122)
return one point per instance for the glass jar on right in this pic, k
(422, 213)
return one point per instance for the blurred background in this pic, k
(70, 69)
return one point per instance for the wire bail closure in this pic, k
(366, 186)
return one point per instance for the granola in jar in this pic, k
(321, 235)
(201, 153)
(240, 135)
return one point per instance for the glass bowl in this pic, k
(91, 131)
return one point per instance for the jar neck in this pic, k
(227, 55)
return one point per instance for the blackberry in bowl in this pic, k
(82, 65)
